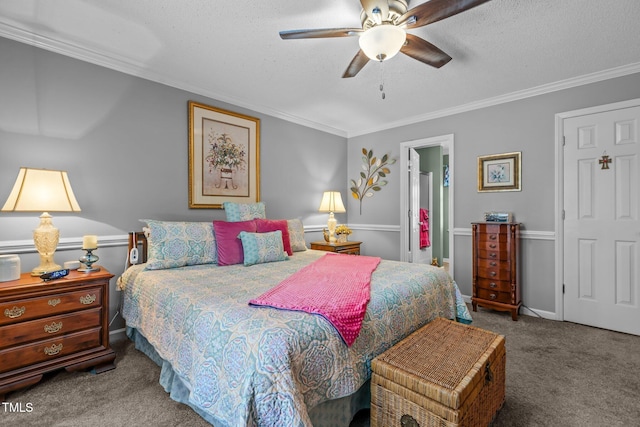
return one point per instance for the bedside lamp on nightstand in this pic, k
(42, 190)
(332, 203)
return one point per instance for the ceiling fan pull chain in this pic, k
(382, 79)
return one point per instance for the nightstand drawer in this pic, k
(350, 248)
(45, 350)
(47, 327)
(34, 308)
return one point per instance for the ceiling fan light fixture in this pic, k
(382, 42)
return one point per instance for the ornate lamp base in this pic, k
(45, 239)
(88, 259)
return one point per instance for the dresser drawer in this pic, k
(492, 238)
(491, 295)
(494, 264)
(494, 273)
(494, 285)
(19, 333)
(34, 308)
(50, 349)
(493, 255)
(493, 246)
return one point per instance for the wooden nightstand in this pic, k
(352, 248)
(46, 326)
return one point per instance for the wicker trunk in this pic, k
(444, 374)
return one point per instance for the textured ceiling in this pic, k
(231, 51)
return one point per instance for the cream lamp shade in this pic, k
(332, 202)
(382, 42)
(42, 190)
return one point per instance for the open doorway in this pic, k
(436, 151)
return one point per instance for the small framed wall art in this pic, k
(499, 172)
(224, 162)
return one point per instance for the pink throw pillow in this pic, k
(267, 225)
(228, 244)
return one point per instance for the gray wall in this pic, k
(526, 125)
(124, 142)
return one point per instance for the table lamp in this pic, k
(42, 190)
(332, 202)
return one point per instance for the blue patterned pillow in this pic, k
(244, 211)
(176, 244)
(296, 235)
(259, 248)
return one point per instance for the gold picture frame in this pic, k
(499, 172)
(224, 157)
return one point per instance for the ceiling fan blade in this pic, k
(321, 33)
(424, 51)
(357, 63)
(435, 10)
(377, 10)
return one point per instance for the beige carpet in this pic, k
(558, 374)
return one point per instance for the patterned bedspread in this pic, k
(259, 366)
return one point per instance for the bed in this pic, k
(241, 365)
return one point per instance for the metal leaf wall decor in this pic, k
(372, 175)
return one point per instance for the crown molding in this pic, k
(509, 97)
(133, 68)
(127, 66)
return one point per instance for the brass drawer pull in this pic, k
(492, 246)
(88, 299)
(493, 237)
(493, 264)
(492, 254)
(493, 273)
(492, 285)
(14, 312)
(53, 350)
(493, 296)
(53, 302)
(53, 327)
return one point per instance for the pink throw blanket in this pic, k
(335, 286)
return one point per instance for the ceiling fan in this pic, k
(383, 33)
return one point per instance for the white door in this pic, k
(414, 205)
(601, 226)
(424, 254)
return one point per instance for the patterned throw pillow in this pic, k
(244, 211)
(296, 235)
(228, 243)
(176, 244)
(266, 225)
(262, 247)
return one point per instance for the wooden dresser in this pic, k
(46, 326)
(496, 270)
(351, 248)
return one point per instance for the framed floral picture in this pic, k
(224, 157)
(499, 172)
